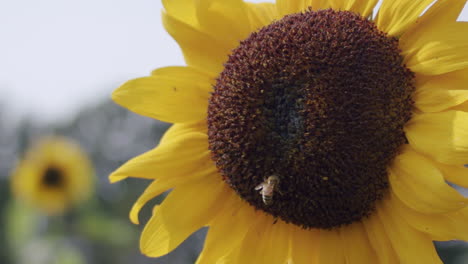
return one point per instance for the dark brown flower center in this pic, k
(307, 116)
(52, 177)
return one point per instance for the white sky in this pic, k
(59, 55)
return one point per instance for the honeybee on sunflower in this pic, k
(364, 118)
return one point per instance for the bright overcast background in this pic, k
(57, 56)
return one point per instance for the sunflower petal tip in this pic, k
(115, 177)
(116, 95)
(133, 215)
(150, 250)
(122, 91)
(134, 219)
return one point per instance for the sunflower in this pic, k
(307, 131)
(53, 175)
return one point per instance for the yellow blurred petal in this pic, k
(183, 10)
(362, 7)
(440, 227)
(200, 49)
(441, 92)
(395, 16)
(185, 210)
(411, 245)
(261, 14)
(216, 16)
(442, 136)
(51, 201)
(265, 242)
(304, 246)
(379, 240)
(357, 247)
(421, 186)
(457, 174)
(227, 230)
(331, 248)
(185, 156)
(437, 51)
(169, 99)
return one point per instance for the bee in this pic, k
(267, 188)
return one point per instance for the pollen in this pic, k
(318, 99)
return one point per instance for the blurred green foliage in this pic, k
(98, 231)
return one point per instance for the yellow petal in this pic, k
(411, 246)
(165, 97)
(227, 230)
(265, 242)
(186, 209)
(437, 17)
(186, 156)
(200, 49)
(331, 247)
(304, 246)
(362, 7)
(177, 130)
(358, 248)
(216, 16)
(440, 17)
(277, 246)
(461, 107)
(395, 16)
(153, 190)
(437, 51)
(316, 4)
(183, 10)
(202, 79)
(261, 14)
(437, 100)
(442, 227)
(286, 7)
(443, 11)
(231, 257)
(379, 240)
(159, 186)
(441, 92)
(421, 186)
(454, 174)
(442, 136)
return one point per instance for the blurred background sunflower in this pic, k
(58, 67)
(54, 175)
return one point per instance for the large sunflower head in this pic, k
(308, 131)
(53, 175)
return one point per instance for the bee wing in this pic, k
(259, 187)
